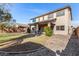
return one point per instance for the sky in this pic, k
(23, 12)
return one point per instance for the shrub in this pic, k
(48, 31)
(28, 30)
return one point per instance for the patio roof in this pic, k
(43, 22)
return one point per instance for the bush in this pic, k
(48, 31)
(28, 30)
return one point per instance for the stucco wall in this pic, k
(46, 17)
(37, 20)
(63, 20)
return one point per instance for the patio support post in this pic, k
(30, 28)
(36, 26)
(49, 24)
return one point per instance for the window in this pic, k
(60, 13)
(46, 17)
(50, 16)
(57, 27)
(41, 18)
(37, 19)
(33, 20)
(60, 28)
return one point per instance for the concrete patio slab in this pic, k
(57, 42)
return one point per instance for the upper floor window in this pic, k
(60, 13)
(37, 19)
(33, 20)
(41, 18)
(46, 17)
(50, 16)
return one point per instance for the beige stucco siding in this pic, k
(46, 17)
(41, 18)
(63, 20)
(59, 22)
(37, 20)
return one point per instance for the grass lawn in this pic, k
(37, 39)
(8, 36)
(42, 39)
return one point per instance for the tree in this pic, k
(1, 14)
(2, 26)
(5, 15)
(14, 20)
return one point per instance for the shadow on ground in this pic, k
(19, 39)
(27, 49)
(72, 48)
(25, 36)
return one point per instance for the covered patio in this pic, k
(42, 24)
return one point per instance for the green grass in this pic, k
(8, 36)
(36, 39)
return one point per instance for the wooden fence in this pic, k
(76, 32)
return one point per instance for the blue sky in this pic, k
(23, 12)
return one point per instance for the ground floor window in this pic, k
(60, 27)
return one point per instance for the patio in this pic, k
(57, 42)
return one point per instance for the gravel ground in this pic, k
(40, 52)
(27, 49)
(72, 48)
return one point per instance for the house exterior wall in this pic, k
(46, 17)
(37, 19)
(64, 20)
(41, 18)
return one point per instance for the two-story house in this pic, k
(59, 20)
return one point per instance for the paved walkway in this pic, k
(57, 42)
(64, 45)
